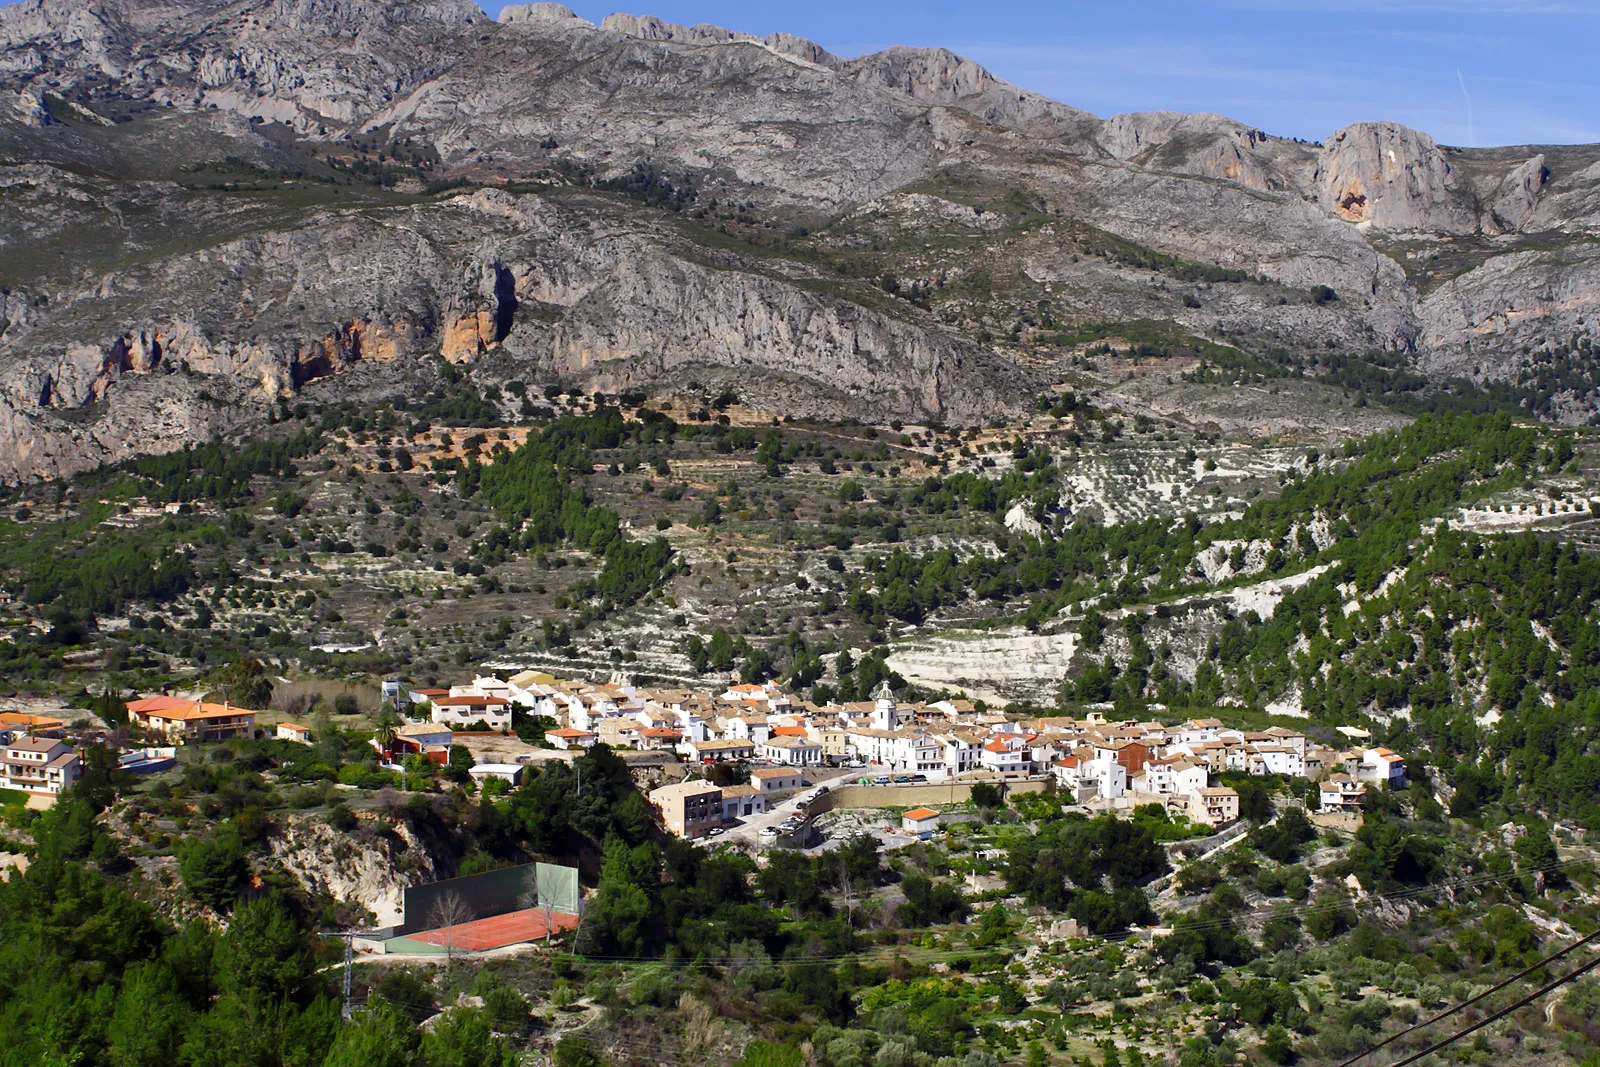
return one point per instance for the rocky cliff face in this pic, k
(371, 867)
(157, 288)
(578, 293)
(1392, 178)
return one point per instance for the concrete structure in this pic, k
(505, 772)
(689, 808)
(148, 760)
(44, 766)
(1214, 807)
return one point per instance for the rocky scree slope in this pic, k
(126, 264)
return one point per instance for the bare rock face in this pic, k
(1210, 146)
(145, 300)
(790, 45)
(938, 77)
(1479, 324)
(544, 13)
(1514, 203)
(1392, 178)
(1128, 135)
(579, 294)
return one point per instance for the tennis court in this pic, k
(497, 931)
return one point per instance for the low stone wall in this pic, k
(928, 794)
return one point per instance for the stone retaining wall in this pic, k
(929, 794)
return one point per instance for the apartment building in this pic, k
(1214, 807)
(689, 809)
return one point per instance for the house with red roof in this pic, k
(467, 708)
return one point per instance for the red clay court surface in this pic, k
(497, 931)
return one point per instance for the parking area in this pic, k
(764, 828)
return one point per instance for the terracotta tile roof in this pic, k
(195, 711)
(145, 705)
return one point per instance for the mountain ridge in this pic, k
(1481, 265)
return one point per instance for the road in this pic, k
(749, 828)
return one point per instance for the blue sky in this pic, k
(1297, 68)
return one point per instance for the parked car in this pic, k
(902, 779)
(805, 782)
(769, 831)
(714, 831)
(919, 778)
(882, 779)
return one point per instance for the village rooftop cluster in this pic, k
(1093, 760)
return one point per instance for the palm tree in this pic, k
(387, 729)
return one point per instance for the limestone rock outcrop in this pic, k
(1391, 177)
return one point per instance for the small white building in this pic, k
(750, 727)
(505, 772)
(467, 708)
(1339, 794)
(1172, 777)
(959, 752)
(1006, 755)
(775, 781)
(1110, 777)
(791, 750)
(293, 731)
(568, 737)
(1380, 766)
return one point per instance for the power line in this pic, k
(1501, 1014)
(1468, 1003)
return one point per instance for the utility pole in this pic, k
(349, 952)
